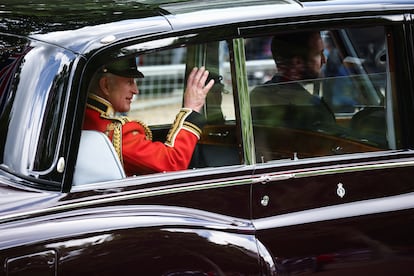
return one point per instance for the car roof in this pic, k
(46, 16)
(81, 26)
(43, 16)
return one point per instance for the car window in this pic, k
(10, 58)
(160, 97)
(34, 79)
(345, 108)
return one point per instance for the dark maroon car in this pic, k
(262, 196)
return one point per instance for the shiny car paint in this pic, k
(343, 215)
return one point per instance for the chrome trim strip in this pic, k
(360, 208)
(180, 188)
(337, 169)
(130, 195)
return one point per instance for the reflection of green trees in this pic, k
(40, 16)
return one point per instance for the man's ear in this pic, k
(297, 61)
(104, 85)
(295, 68)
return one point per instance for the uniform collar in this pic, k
(101, 105)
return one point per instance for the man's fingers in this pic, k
(196, 74)
(197, 88)
(191, 77)
(198, 78)
(203, 78)
(209, 85)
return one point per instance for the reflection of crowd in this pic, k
(338, 90)
(258, 48)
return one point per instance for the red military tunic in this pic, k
(139, 154)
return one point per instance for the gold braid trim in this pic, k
(176, 126)
(193, 128)
(116, 127)
(147, 130)
(100, 104)
(107, 112)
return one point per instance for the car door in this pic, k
(169, 235)
(336, 199)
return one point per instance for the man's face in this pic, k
(316, 58)
(120, 92)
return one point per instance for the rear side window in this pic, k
(12, 52)
(33, 86)
(320, 100)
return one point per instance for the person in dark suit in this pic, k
(284, 100)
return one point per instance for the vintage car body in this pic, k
(348, 211)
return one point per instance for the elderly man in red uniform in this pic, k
(112, 90)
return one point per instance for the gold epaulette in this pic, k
(147, 130)
(116, 126)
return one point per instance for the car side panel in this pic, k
(145, 240)
(338, 222)
(379, 244)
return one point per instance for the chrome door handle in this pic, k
(218, 134)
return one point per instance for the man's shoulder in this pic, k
(135, 127)
(280, 93)
(273, 91)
